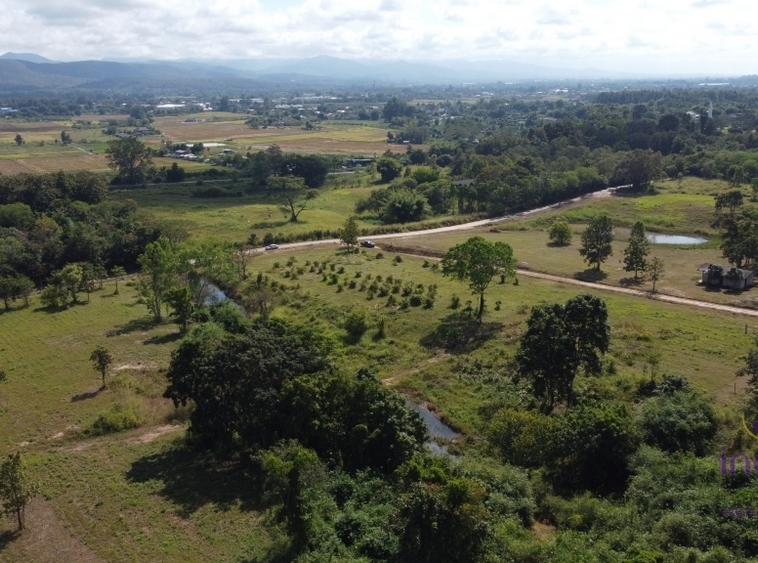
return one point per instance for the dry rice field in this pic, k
(11, 167)
(330, 138)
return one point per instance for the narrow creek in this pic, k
(438, 430)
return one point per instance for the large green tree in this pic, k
(635, 254)
(559, 340)
(268, 382)
(311, 168)
(159, 264)
(295, 193)
(477, 261)
(596, 241)
(638, 168)
(388, 168)
(130, 157)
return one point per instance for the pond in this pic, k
(437, 429)
(213, 294)
(675, 239)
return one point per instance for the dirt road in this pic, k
(528, 273)
(462, 227)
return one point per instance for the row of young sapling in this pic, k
(398, 293)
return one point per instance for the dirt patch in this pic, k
(433, 360)
(153, 434)
(135, 367)
(543, 531)
(46, 539)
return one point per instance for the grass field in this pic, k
(52, 389)
(236, 218)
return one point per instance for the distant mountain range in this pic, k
(30, 72)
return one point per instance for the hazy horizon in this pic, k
(693, 37)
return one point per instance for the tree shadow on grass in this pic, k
(591, 275)
(134, 325)
(192, 480)
(460, 332)
(86, 395)
(165, 338)
(631, 282)
(7, 537)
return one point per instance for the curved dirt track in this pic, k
(639, 293)
(528, 273)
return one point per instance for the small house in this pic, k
(715, 275)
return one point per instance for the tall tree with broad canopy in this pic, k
(596, 241)
(478, 261)
(638, 168)
(130, 157)
(295, 194)
(311, 168)
(560, 339)
(159, 266)
(388, 168)
(635, 254)
(269, 382)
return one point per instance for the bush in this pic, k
(398, 259)
(455, 302)
(679, 421)
(379, 255)
(560, 233)
(118, 418)
(356, 325)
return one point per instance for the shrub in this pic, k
(398, 259)
(560, 233)
(356, 324)
(679, 421)
(118, 418)
(415, 300)
(379, 255)
(455, 302)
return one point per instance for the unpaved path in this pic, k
(615, 289)
(639, 293)
(462, 227)
(528, 273)
(46, 539)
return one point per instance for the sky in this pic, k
(704, 37)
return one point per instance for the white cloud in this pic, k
(679, 36)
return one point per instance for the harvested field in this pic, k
(33, 127)
(11, 167)
(331, 138)
(83, 162)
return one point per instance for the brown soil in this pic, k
(46, 539)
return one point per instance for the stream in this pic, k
(438, 430)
